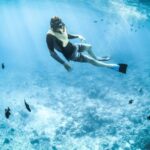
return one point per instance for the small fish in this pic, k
(3, 66)
(7, 112)
(131, 101)
(102, 19)
(27, 106)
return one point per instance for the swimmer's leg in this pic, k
(118, 67)
(88, 49)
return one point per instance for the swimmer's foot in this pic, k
(121, 68)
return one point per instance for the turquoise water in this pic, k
(87, 109)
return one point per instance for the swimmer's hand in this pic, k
(81, 38)
(67, 67)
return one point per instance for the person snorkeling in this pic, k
(58, 38)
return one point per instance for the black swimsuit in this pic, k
(70, 52)
(54, 43)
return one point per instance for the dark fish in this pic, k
(34, 141)
(7, 112)
(54, 148)
(132, 25)
(27, 106)
(102, 19)
(95, 21)
(148, 118)
(6, 141)
(141, 91)
(3, 66)
(131, 101)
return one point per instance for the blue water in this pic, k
(88, 108)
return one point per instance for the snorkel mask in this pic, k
(56, 23)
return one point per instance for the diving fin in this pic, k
(123, 68)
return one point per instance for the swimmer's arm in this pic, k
(57, 58)
(50, 44)
(70, 36)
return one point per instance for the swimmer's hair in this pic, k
(55, 22)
